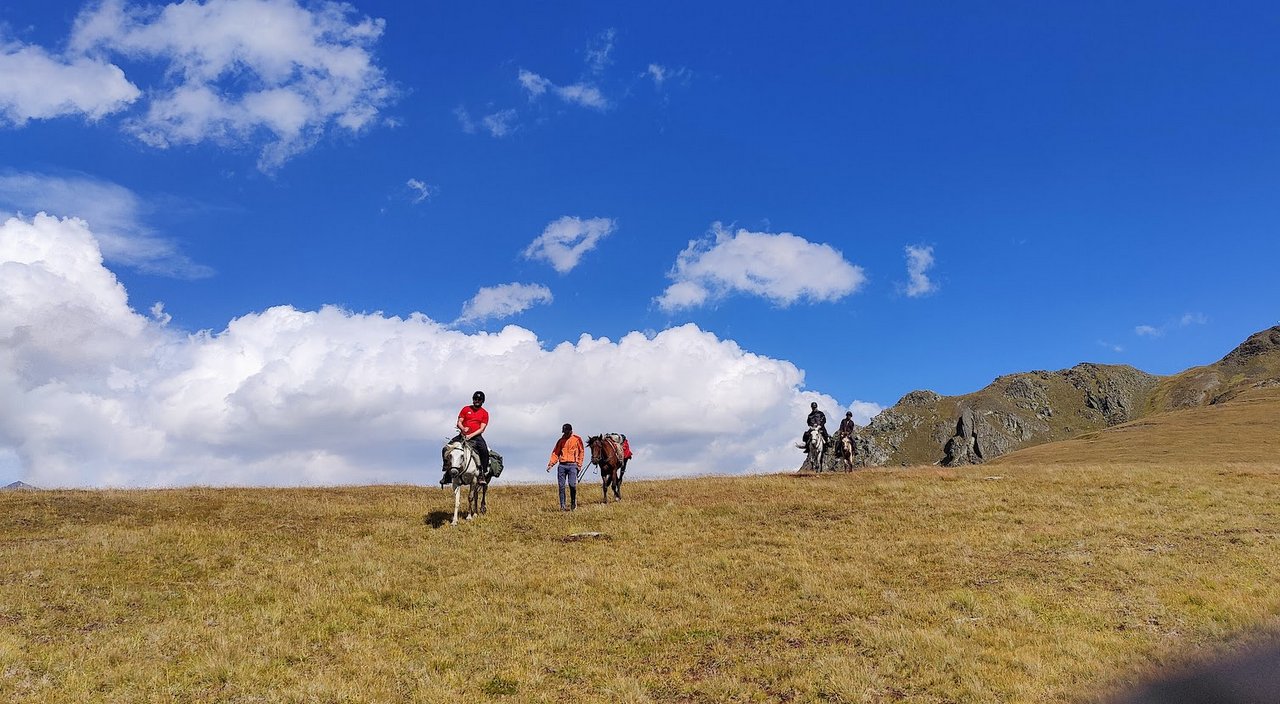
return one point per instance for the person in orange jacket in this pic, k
(567, 457)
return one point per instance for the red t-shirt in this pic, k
(473, 418)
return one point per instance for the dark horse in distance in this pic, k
(606, 452)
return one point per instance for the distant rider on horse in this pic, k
(846, 425)
(817, 419)
(472, 422)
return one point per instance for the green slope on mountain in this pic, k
(1031, 408)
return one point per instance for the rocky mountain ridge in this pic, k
(1030, 408)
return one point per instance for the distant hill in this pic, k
(1255, 363)
(18, 486)
(1245, 429)
(1032, 408)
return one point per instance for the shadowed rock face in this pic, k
(1020, 410)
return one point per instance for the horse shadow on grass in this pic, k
(436, 519)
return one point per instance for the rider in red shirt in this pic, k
(472, 422)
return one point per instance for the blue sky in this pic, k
(679, 222)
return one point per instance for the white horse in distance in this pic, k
(815, 448)
(464, 467)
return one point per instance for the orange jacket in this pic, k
(567, 450)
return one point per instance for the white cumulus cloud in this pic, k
(465, 121)
(98, 394)
(501, 123)
(421, 189)
(504, 301)
(582, 94)
(919, 262)
(38, 86)
(563, 242)
(1187, 319)
(1148, 331)
(783, 268)
(244, 71)
(658, 73)
(115, 214)
(599, 49)
(498, 124)
(661, 75)
(533, 83)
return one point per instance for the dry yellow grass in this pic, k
(1045, 584)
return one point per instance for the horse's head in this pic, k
(596, 444)
(455, 454)
(815, 438)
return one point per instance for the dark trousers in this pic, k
(567, 473)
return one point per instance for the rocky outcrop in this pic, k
(963, 447)
(1117, 392)
(1254, 361)
(1260, 346)
(1015, 411)
(1020, 410)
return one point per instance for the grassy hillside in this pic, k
(1245, 429)
(1256, 360)
(1011, 583)
(1030, 408)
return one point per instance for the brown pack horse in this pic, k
(608, 456)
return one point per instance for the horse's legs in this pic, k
(484, 494)
(604, 485)
(457, 499)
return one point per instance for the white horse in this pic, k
(814, 448)
(464, 467)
